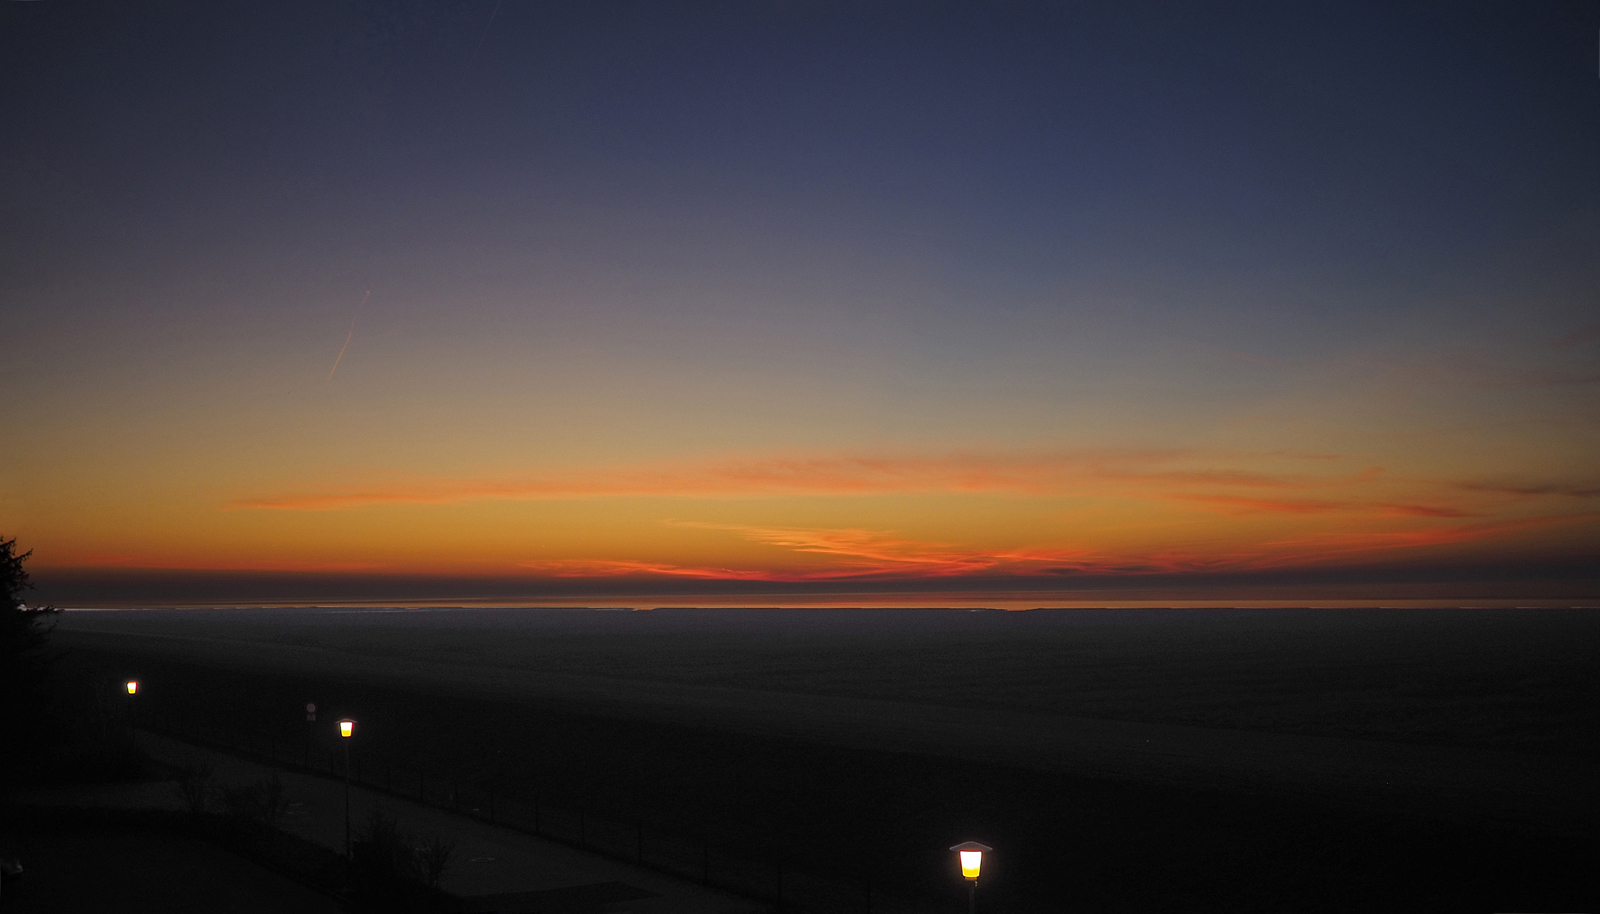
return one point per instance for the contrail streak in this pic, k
(348, 336)
(486, 28)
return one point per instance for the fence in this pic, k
(642, 843)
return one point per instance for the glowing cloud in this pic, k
(1065, 474)
(849, 553)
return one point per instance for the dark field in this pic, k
(1117, 760)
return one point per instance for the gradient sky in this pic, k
(609, 296)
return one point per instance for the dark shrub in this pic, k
(194, 787)
(263, 803)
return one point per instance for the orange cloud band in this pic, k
(864, 554)
(1086, 473)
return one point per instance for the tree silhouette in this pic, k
(25, 697)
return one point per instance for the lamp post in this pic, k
(347, 727)
(133, 690)
(971, 861)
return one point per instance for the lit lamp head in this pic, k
(971, 857)
(346, 727)
(133, 686)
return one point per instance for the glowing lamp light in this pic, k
(133, 686)
(346, 727)
(971, 857)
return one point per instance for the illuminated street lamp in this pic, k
(971, 861)
(347, 727)
(133, 690)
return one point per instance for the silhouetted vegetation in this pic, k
(388, 866)
(30, 728)
(263, 803)
(433, 855)
(194, 787)
(57, 729)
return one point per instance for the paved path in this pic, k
(488, 860)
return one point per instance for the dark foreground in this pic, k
(817, 740)
(102, 860)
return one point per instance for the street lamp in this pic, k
(971, 861)
(346, 728)
(133, 689)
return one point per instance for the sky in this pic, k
(763, 301)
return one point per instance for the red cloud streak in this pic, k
(1064, 474)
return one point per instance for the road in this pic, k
(488, 860)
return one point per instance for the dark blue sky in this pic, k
(1354, 141)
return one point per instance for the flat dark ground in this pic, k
(1161, 760)
(79, 861)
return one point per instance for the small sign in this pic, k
(311, 711)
